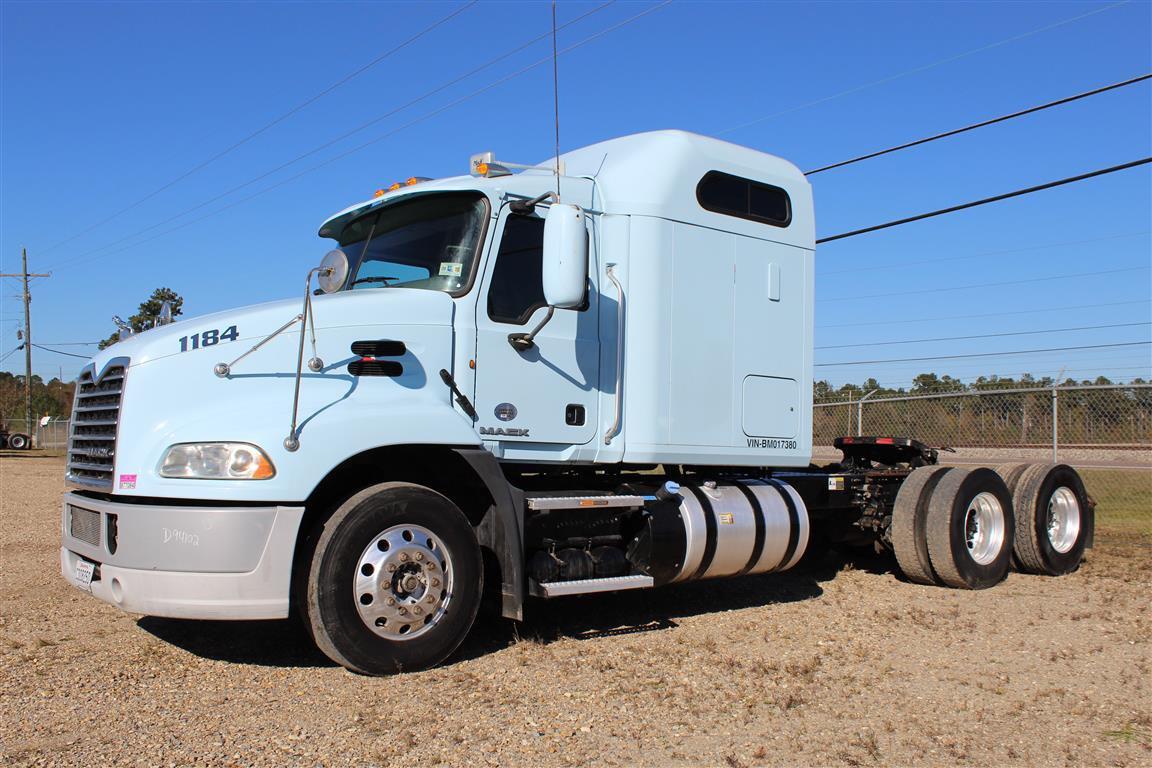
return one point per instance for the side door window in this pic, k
(517, 288)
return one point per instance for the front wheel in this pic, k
(395, 580)
(17, 441)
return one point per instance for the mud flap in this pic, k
(502, 529)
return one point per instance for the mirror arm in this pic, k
(522, 342)
(528, 206)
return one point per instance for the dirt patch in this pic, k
(840, 663)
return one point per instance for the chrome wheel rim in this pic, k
(1063, 521)
(984, 528)
(403, 582)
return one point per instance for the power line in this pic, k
(471, 95)
(983, 354)
(921, 320)
(870, 267)
(73, 343)
(336, 140)
(267, 126)
(58, 352)
(11, 352)
(915, 70)
(981, 124)
(1099, 358)
(987, 285)
(984, 336)
(985, 201)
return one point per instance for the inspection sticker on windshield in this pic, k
(84, 573)
(451, 269)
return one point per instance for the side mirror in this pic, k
(333, 271)
(565, 267)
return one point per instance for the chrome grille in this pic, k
(84, 524)
(95, 418)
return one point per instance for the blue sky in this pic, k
(104, 103)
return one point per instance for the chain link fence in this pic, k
(1105, 431)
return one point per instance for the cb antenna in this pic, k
(556, 97)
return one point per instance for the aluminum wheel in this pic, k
(984, 528)
(1063, 519)
(403, 582)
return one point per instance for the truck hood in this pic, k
(347, 309)
(172, 394)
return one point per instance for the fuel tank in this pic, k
(740, 527)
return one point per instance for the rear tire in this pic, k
(970, 529)
(909, 517)
(395, 580)
(1054, 519)
(1011, 474)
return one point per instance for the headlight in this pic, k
(216, 461)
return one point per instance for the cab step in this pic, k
(586, 586)
(583, 502)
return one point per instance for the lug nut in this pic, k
(418, 556)
(435, 582)
(403, 611)
(430, 600)
(403, 557)
(391, 601)
(417, 610)
(391, 567)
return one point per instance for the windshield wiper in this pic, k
(374, 279)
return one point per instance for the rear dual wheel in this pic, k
(953, 526)
(970, 529)
(1054, 519)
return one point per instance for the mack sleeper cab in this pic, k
(484, 380)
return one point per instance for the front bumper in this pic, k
(181, 561)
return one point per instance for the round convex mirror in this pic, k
(333, 271)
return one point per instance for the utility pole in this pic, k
(24, 275)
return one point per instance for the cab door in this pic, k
(547, 393)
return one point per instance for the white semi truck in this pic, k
(589, 375)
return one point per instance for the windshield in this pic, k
(427, 242)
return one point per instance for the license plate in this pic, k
(84, 573)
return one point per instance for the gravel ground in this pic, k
(840, 663)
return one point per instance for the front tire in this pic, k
(395, 580)
(17, 441)
(970, 529)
